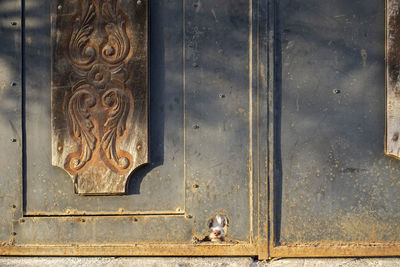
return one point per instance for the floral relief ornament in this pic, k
(99, 103)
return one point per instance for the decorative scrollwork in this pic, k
(78, 109)
(117, 47)
(118, 104)
(101, 112)
(80, 51)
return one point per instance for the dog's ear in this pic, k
(210, 223)
(226, 221)
(222, 220)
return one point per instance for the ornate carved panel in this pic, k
(393, 79)
(100, 92)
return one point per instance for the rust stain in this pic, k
(133, 250)
(336, 249)
(214, 14)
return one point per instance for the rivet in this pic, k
(336, 91)
(14, 233)
(221, 96)
(13, 140)
(14, 23)
(195, 65)
(195, 186)
(195, 127)
(188, 216)
(139, 147)
(22, 220)
(139, 2)
(60, 148)
(13, 84)
(14, 206)
(83, 220)
(135, 219)
(395, 137)
(59, 7)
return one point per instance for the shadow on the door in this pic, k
(157, 97)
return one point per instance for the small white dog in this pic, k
(218, 227)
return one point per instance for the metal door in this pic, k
(335, 192)
(207, 138)
(270, 113)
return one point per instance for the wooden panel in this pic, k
(393, 79)
(100, 92)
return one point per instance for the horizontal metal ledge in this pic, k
(336, 250)
(132, 250)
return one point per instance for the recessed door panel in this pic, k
(50, 191)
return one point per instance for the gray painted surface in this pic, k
(11, 138)
(203, 127)
(337, 184)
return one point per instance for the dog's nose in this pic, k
(217, 232)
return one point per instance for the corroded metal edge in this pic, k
(132, 250)
(328, 250)
(332, 250)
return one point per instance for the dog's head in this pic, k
(218, 226)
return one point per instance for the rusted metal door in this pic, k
(264, 118)
(65, 67)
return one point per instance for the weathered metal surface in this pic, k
(133, 250)
(49, 190)
(11, 136)
(166, 209)
(332, 249)
(332, 183)
(220, 100)
(211, 120)
(392, 145)
(100, 92)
